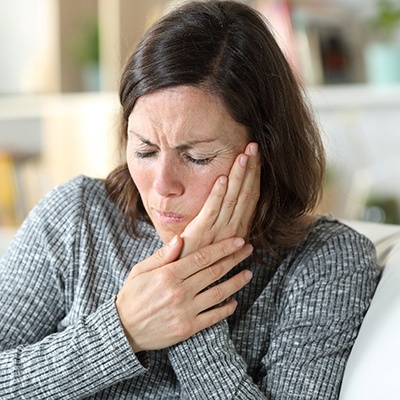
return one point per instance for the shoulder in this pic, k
(330, 238)
(74, 196)
(82, 208)
(65, 202)
(50, 233)
(332, 252)
(69, 193)
(331, 276)
(79, 189)
(64, 209)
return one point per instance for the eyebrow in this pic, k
(182, 146)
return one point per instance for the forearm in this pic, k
(208, 367)
(76, 363)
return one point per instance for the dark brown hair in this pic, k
(227, 48)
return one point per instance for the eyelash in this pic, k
(197, 161)
(142, 154)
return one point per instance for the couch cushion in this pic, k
(373, 369)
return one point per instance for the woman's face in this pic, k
(180, 140)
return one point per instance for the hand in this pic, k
(230, 207)
(163, 301)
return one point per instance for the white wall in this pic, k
(27, 46)
(360, 128)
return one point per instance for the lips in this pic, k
(169, 217)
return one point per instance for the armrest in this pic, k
(373, 369)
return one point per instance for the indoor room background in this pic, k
(60, 62)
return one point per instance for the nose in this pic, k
(168, 181)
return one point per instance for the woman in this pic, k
(144, 286)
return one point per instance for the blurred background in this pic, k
(60, 62)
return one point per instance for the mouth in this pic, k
(169, 217)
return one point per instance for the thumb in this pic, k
(167, 254)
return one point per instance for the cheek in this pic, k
(198, 190)
(140, 177)
(203, 181)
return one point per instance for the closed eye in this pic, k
(145, 154)
(198, 161)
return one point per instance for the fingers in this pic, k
(219, 293)
(205, 301)
(243, 191)
(215, 296)
(216, 271)
(167, 254)
(247, 202)
(215, 315)
(207, 256)
(211, 208)
(236, 178)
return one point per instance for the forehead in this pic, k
(184, 113)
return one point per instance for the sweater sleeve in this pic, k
(38, 357)
(208, 367)
(319, 304)
(76, 363)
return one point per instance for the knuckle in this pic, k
(230, 202)
(212, 213)
(183, 329)
(163, 277)
(252, 169)
(256, 194)
(215, 272)
(168, 288)
(202, 257)
(251, 195)
(174, 297)
(247, 194)
(218, 294)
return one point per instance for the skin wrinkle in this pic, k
(180, 140)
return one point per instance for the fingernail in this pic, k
(248, 275)
(222, 180)
(173, 241)
(248, 249)
(238, 242)
(253, 149)
(243, 160)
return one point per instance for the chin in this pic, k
(167, 235)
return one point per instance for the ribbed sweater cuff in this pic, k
(78, 362)
(207, 364)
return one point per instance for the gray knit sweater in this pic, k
(60, 336)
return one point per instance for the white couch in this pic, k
(373, 369)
